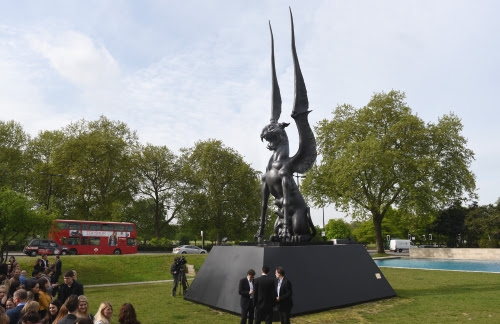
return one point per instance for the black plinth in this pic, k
(323, 276)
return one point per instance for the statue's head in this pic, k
(275, 135)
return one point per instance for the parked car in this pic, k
(188, 249)
(43, 246)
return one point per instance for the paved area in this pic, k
(130, 283)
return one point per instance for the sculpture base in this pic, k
(322, 276)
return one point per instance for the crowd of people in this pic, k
(40, 299)
(259, 297)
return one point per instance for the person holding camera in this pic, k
(178, 273)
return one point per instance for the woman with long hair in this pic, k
(127, 315)
(47, 274)
(13, 265)
(83, 308)
(63, 311)
(3, 295)
(51, 315)
(38, 265)
(44, 297)
(104, 314)
(13, 287)
(33, 286)
(9, 304)
(4, 319)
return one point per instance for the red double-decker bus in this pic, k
(90, 237)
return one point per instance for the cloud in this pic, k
(77, 58)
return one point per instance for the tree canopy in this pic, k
(159, 186)
(382, 156)
(337, 228)
(96, 159)
(18, 219)
(224, 193)
(13, 141)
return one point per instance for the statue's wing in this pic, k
(276, 96)
(305, 157)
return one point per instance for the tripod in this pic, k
(183, 284)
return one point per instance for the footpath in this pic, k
(191, 273)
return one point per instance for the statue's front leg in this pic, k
(265, 198)
(286, 232)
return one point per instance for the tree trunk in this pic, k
(219, 239)
(157, 221)
(377, 224)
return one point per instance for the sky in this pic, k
(178, 72)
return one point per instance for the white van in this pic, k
(400, 245)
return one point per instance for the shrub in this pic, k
(486, 243)
(157, 242)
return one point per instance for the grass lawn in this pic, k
(422, 296)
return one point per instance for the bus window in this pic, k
(95, 241)
(107, 227)
(130, 228)
(85, 227)
(73, 241)
(131, 242)
(62, 225)
(118, 228)
(95, 227)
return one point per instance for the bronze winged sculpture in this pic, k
(294, 219)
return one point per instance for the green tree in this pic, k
(363, 231)
(140, 213)
(13, 141)
(400, 223)
(383, 156)
(47, 185)
(224, 194)
(449, 225)
(337, 228)
(19, 220)
(482, 226)
(160, 183)
(96, 158)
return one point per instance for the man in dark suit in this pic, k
(45, 262)
(245, 289)
(58, 265)
(70, 287)
(264, 297)
(283, 296)
(20, 297)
